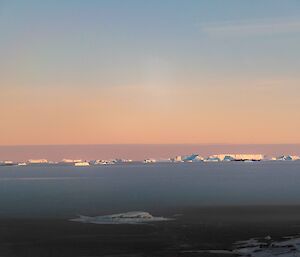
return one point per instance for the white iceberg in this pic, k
(37, 161)
(70, 161)
(121, 218)
(192, 158)
(103, 162)
(212, 159)
(239, 157)
(7, 163)
(187, 158)
(287, 158)
(150, 161)
(81, 164)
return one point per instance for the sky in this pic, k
(149, 72)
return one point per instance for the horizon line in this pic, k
(154, 144)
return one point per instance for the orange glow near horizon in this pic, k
(142, 115)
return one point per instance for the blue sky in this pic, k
(213, 56)
(113, 34)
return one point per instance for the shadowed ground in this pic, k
(194, 229)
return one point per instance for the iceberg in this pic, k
(103, 162)
(177, 159)
(239, 157)
(287, 158)
(136, 217)
(150, 161)
(70, 161)
(192, 158)
(122, 161)
(81, 164)
(7, 163)
(37, 161)
(212, 159)
(187, 158)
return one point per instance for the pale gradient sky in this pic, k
(149, 72)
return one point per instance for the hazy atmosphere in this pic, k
(136, 152)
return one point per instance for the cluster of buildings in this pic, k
(177, 159)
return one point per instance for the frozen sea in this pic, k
(66, 191)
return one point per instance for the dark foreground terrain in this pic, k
(194, 229)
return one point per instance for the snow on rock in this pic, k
(262, 247)
(266, 247)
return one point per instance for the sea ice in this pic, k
(121, 218)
